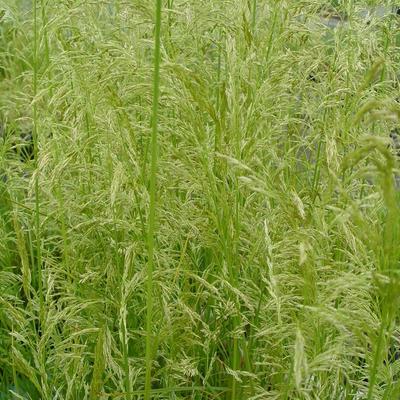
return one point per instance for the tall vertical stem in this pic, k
(254, 16)
(153, 200)
(35, 144)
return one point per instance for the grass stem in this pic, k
(153, 200)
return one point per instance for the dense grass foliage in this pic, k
(225, 227)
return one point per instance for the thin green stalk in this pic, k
(46, 46)
(218, 127)
(316, 174)
(376, 360)
(254, 16)
(35, 144)
(153, 200)
(38, 243)
(271, 35)
(14, 372)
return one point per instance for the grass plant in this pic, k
(256, 256)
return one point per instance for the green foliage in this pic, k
(240, 241)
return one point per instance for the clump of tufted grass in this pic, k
(275, 213)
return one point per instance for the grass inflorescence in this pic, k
(199, 200)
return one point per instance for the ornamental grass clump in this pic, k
(209, 209)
